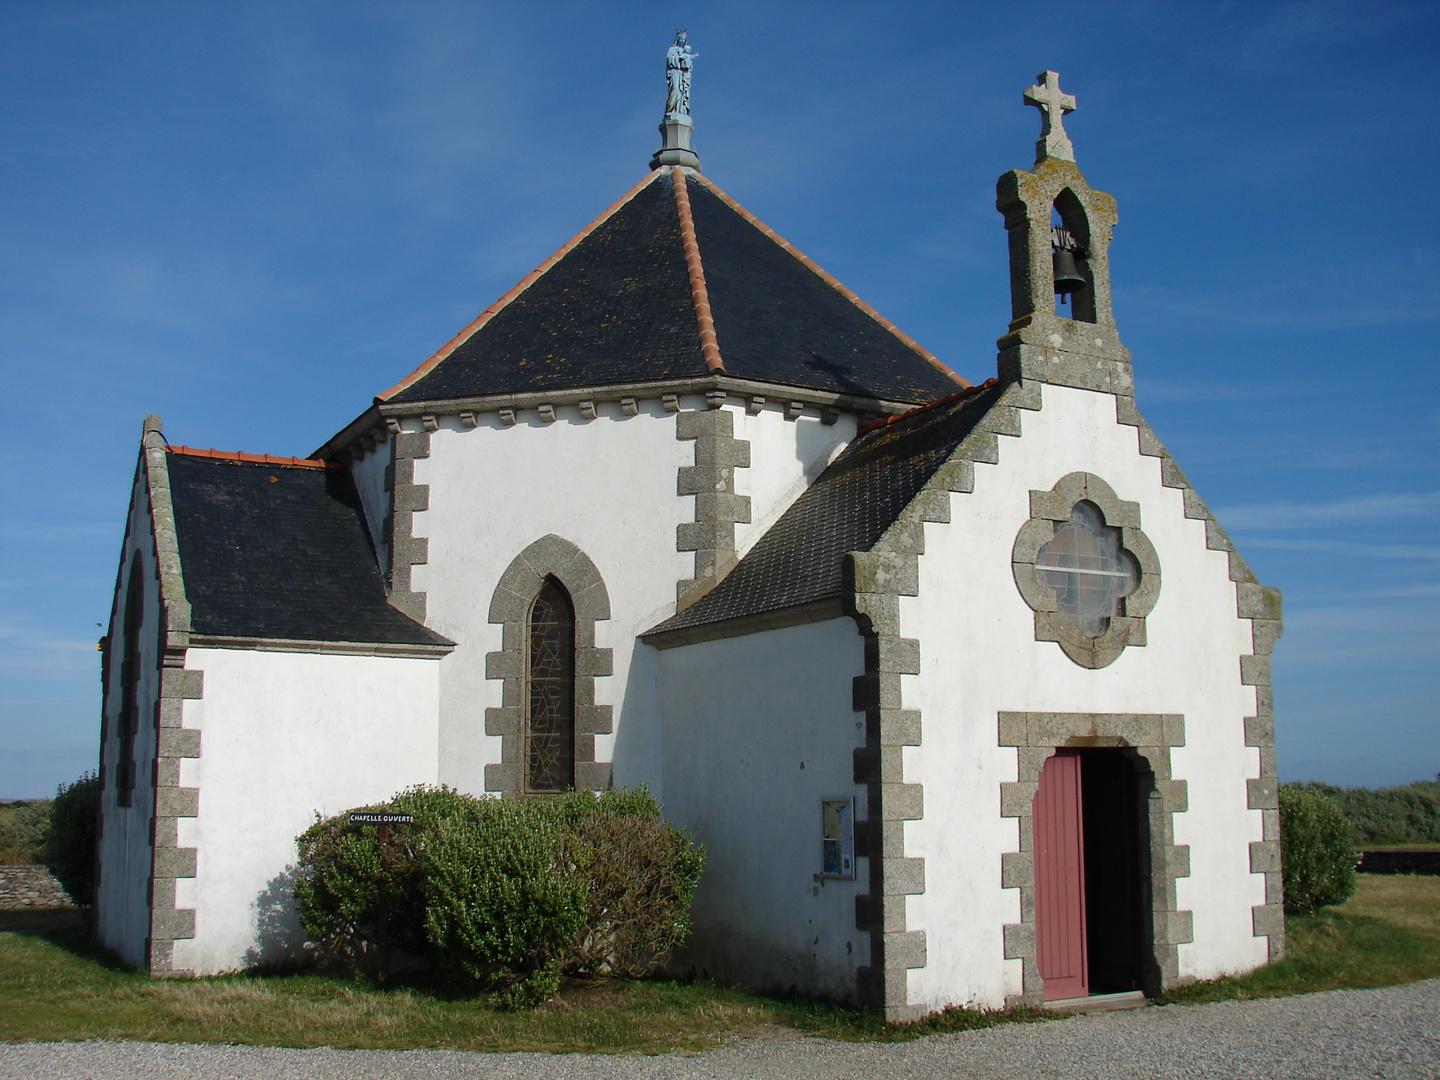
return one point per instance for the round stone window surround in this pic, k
(1047, 508)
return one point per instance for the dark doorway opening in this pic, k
(1115, 899)
(1092, 924)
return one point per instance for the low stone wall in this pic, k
(30, 887)
(1389, 861)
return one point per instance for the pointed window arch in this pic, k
(130, 661)
(548, 602)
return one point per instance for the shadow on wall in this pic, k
(279, 939)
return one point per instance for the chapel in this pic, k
(961, 685)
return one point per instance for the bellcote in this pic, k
(1062, 327)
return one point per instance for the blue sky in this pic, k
(250, 218)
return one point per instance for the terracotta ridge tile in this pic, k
(257, 459)
(709, 346)
(959, 395)
(504, 301)
(830, 280)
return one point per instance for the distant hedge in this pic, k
(22, 831)
(70, 842)
(1394, 815)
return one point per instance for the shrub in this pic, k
(70, 842)
(344, 873)
(501, 903)
(503, 893)
(1317, 856)
(23, 826)
(641, 873)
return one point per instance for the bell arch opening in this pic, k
(1071, 273)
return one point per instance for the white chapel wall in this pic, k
(785, 458)
(741, 716)
(607, 485)
(979, 657)
(369, 476)
(122, 906)
(286, 736)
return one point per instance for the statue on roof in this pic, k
(679, 62)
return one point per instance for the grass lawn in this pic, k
(55, 984)
(1388, 933)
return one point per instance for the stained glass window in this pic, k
(550, 727)
(1088, 569)
(130, 660)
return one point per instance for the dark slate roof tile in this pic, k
(276, 551)
(779, 321)
(800, 559)
(617, 308)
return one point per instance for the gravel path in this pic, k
(1391, 1033)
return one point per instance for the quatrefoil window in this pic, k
(1088, 569)
(1082, 563)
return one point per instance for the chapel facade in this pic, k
(963, 687)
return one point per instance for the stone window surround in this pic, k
(550, 556)
(1046, 509)
(1151, 736)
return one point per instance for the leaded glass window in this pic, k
(550, 708)
(130, 661)
(1088, 569)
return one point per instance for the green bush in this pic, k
(1317, 856)
(345, 874)
(503, 893)
(641, 875)
(70, 842)
(1409, 814)
(501, 901)
(23, 825)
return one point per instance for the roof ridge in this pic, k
(832, 281)
(524, 283)
(959, 395)
(256, 459)
(709, 345)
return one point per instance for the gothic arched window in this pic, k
(130, 661)
(550, 701)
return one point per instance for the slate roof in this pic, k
(615, 305)
(800, 559)
(280, 551)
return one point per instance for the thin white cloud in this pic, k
(1392, 506)
(1341, 547)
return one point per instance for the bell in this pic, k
(1068, 278)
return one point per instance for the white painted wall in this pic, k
(785, 458)
(369, 476)
(758, 730)
(285, 736)
(607, 485)
(979, 657)
(122, 901)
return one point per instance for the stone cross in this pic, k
(1053, 106)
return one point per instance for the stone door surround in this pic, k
(1036, 737)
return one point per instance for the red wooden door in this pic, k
(1060, 879)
